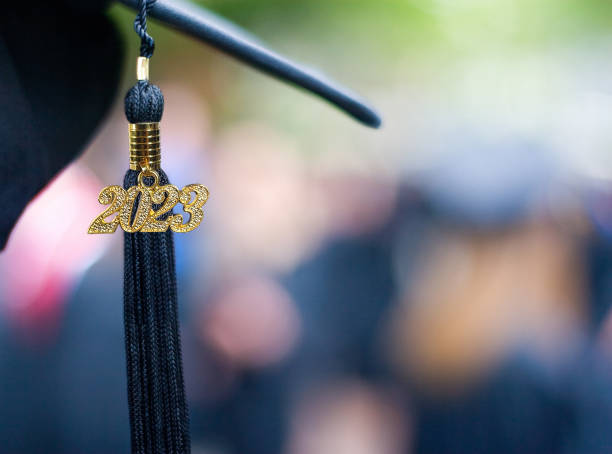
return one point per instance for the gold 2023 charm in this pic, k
(143, 218)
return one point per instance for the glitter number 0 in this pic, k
(142, 211)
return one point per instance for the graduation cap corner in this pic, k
(61, 64)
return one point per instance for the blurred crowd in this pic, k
(443, 285)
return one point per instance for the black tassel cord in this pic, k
(159, 422)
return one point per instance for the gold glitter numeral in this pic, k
(115, 196)
(142, 211)
(193, 208)
(169, 196)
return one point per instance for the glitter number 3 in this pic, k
(193, 208)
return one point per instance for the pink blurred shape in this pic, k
(349, 417)
(48, 251)
(252, 322)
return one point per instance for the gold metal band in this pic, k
(142, 68)
(145, 150)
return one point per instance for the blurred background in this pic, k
(441, 285)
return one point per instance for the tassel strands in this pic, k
(156, 395)
(159, 421)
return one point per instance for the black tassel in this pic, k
(159, 420)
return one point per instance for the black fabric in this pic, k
(88, 7)
(60, 72)
(159, 422)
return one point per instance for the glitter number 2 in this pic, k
(115, 197)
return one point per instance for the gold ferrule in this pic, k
(145, 151)
(142, 68)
